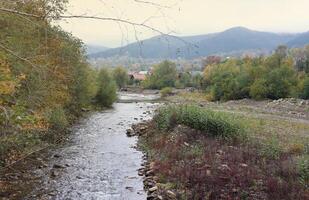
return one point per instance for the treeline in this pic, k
(166, 74)
(45, 80)
(283, 74)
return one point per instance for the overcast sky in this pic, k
(184, 17)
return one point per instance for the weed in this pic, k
(303, 168)
(57, 119)
(166, 91)
(212, 123)
(297, 148)
(271, 148)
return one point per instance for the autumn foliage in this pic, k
(45, 80)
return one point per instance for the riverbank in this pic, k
(271, 163)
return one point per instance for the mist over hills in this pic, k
(231, 41)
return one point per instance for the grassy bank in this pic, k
(209, 154)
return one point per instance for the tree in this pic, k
(107, 89)
(210, 60)
(120, 75)
(226, 81)
(164, 75)
(258, 89)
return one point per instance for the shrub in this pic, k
(57, 119)
(164, 75)
(271, 148)
(258, 89)
(228, 81)
(107, 89)
(305, 93)
(303, 168)
(166, 91)
(210, 122)
(120, 75)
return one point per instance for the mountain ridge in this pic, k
(236, 39)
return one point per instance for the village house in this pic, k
(136, 78)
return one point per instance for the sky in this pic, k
(181, 18)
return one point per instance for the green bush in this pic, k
(258, 89)
(210, 122)
(271, 148)
(107, 89)
(121, 77)
(166, 91)
(57, 119)
(164, 75)
(305, 93)
(228, 81)
(270, 77)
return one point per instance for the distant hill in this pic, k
(238, 39)
(300, 41)
(92, 49)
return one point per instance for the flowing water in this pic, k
(99, 161)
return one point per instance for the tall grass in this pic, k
(209, 122)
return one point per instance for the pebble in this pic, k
(57, 156)
(171, 194)
(57, 166)
(243, 165)
(155, 188)
(129, 188)
(54, 174)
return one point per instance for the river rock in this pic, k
(58, 166)
(243, 165)
(130, 133)
(224, 167)
(170, 194)
(54, 174)
(130, 188)
(153, 189)
(149, 173)
(160, 197)
(57, 156)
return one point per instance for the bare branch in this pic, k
(19, 13)
(125, 22)
(152, 3)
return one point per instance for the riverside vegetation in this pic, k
(283, 74)
(45, 80)
(227, 149)
(216, 153)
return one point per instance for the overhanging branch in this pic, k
(19, 13)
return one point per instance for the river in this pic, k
(99, 161)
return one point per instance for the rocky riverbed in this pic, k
(147, 170)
